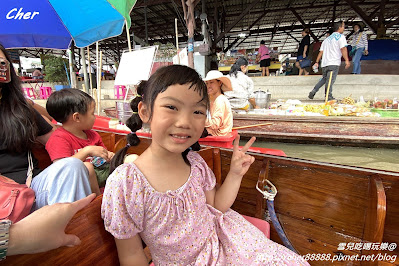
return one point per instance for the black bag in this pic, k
(305, 62)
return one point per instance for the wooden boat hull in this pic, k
(344, 131)
(319, 205)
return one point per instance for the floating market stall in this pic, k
(348, 123)
(226, 60)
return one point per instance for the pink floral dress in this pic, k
(179, 227)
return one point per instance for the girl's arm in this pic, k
(225, 196)
(131, 252)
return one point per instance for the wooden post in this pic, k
(188, 9)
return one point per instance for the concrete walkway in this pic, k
(298, 87)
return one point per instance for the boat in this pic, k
(333, 130)
(325, 209)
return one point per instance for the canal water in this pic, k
(375, 158)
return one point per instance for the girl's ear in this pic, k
(144, 112)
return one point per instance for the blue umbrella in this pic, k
(54, 23)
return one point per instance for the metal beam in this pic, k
(396, 21)
(231, 45)
(288, 33)
(381, 14)
(257, 20)
(231, 26)
(363, 15)
(304, 24)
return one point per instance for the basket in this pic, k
(110, 112)
(386, 112)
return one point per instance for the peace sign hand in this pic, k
(240, 162)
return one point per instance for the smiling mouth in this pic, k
(180, 136)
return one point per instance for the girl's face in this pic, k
(244, 69)
(356, 28)
(214, 87)
(178, 118)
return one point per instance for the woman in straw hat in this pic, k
(220, 121)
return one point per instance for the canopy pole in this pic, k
(91, 74)
(177, 42)
(128, 37)
(85, 76)
(100, 66)
(72, 73)
(98, 70)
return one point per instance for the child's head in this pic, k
(65, 104)
(181, 80)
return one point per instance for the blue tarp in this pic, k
(383, 50)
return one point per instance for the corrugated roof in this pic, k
(276, 22)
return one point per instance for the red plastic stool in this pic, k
(120, 91)
(262, 225)
(29, 92)
(45, 92)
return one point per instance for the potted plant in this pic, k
(55, 70)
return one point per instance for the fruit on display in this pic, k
(348, 100)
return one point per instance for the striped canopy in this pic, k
(54, 23)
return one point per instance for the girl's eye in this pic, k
(199, 112)
(171, 107)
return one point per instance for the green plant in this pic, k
(55, 69)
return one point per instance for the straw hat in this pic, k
(214, 74)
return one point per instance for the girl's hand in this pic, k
(240, 162)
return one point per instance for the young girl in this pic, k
(167, 197)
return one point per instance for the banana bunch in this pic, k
(312, 108)
(348, 100)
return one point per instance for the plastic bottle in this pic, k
(315, 69)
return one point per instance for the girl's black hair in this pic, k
(17, 118)
(147, 93)
(64, 103)
(361, 28)
(237, 66)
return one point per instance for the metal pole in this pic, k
(91, 74)
(145, 22)
(128, 38)
(85, 75)
(100, 66)
(177, 42)
(71, 72)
